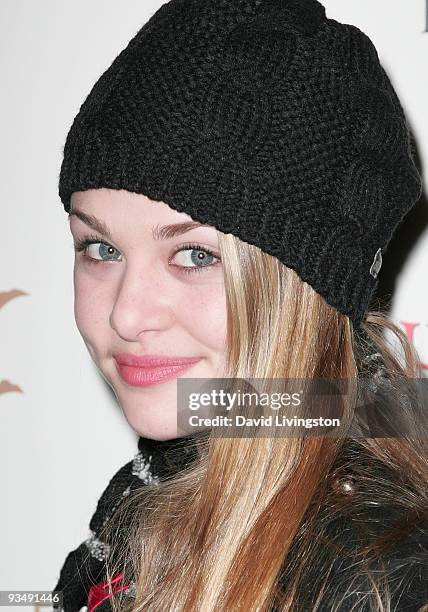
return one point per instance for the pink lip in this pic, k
(146, 370)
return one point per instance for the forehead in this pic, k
(116, 203)
(119, 213)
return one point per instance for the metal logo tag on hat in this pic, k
(377, 263)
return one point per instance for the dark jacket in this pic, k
(344, 527)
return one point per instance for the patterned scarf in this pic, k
(84, 567)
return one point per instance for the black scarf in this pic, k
(84, 566)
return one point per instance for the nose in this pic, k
(142, 304)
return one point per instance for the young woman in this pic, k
(232, 181)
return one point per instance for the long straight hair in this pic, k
(218, 534)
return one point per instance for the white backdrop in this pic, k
(63, 435)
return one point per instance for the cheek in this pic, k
(203, 313)
(92, 308)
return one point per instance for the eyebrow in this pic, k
(163, 232)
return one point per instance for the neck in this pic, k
(168, 457)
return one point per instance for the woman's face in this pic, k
(147, 286)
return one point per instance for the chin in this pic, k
(155, 424)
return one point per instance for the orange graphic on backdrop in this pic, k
(5, 297)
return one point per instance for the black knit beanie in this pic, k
(264, 119)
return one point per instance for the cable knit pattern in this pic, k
(265, 119)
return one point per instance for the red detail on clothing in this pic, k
(99, 592)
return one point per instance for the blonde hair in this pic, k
(218, 535)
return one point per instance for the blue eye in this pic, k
(195, 258)
(103, 249)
